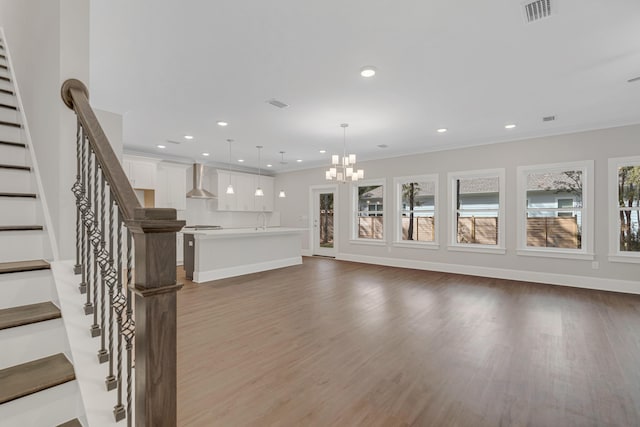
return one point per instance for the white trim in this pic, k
(474, 247)
(395, 217)
(633, 259)
(586, 282)
(239, 270)
(369, 242)
(354, 209)
(615, 255)
(415, 245)
(452, 223)
(34, 163)
(586, 211)
(306, 252)
(334, 188)
(556, 253)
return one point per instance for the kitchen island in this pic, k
(217, 254)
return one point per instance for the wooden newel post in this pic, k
(154, 233)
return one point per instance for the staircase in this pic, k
(37, 379)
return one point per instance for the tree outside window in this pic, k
(370, 212)
(417, 210)
(629, 208)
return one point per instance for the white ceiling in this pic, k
(176, 67)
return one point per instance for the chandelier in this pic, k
(344, 169)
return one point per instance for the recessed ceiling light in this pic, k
(241, 160)
(368, 71)
(205, 154)
(509, 126)
(323, 151)
(299, 160)
(221, 123)
(269, 165)
(188, 137)
(161, 146)
(442, 130)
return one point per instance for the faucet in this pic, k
(264, 221)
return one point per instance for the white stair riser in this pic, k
(25, 288)
(47, 408)
(8, 99)
(30, 342)
(13, 155)
(15, 181)
(9, 115)
(8, 86)
(21, 245)
(10, 133)
(18, 210)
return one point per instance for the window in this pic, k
(553, 213)
(478, 210)
(416, 205)
(369, 210)
(624, 203)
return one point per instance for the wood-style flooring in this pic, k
(331, 343)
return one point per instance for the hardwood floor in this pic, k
(333, 343)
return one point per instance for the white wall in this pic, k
(593, 145)
(49, 43)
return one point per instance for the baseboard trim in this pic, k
(306, 252)
(603, 284)
(239, 270)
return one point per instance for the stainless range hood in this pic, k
(198, 192)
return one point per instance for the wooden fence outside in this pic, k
(553, 232)
(370, 227)
(423, 229)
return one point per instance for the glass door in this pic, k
(323, 222)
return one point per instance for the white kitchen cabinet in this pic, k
(171, 188)
(179, 249)
(227, 202)
(244, 186)
(141, 171)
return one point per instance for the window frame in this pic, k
(355, 212)
(397, 185)
(586, 252)
(615, 255)
(499, 247)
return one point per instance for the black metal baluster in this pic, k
(78, 267)
(111, 379)
(129, 328)
(119, 304)
(88, 306)
(95, 239)
(103, 355)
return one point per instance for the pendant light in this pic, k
(282, 194)
(229, 187)
(344, 169)
(259, 191)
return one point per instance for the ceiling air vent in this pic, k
(537, 10)
(548, 118)
(277, 103)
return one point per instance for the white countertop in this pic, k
(244, 232)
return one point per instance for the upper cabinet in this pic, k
(244, 187)
(171, 189)
(142, 172)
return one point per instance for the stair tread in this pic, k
(32, 377)
(10, 107)
(7, 92)
(24, 168)
(71, 423)
(32, 195)
(20, 266)
(12, 124)
(15, 144)
(27, 314)
(20, 227)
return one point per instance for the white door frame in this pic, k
(313, 191)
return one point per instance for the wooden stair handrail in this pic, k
(154, 234)
(76, 96)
